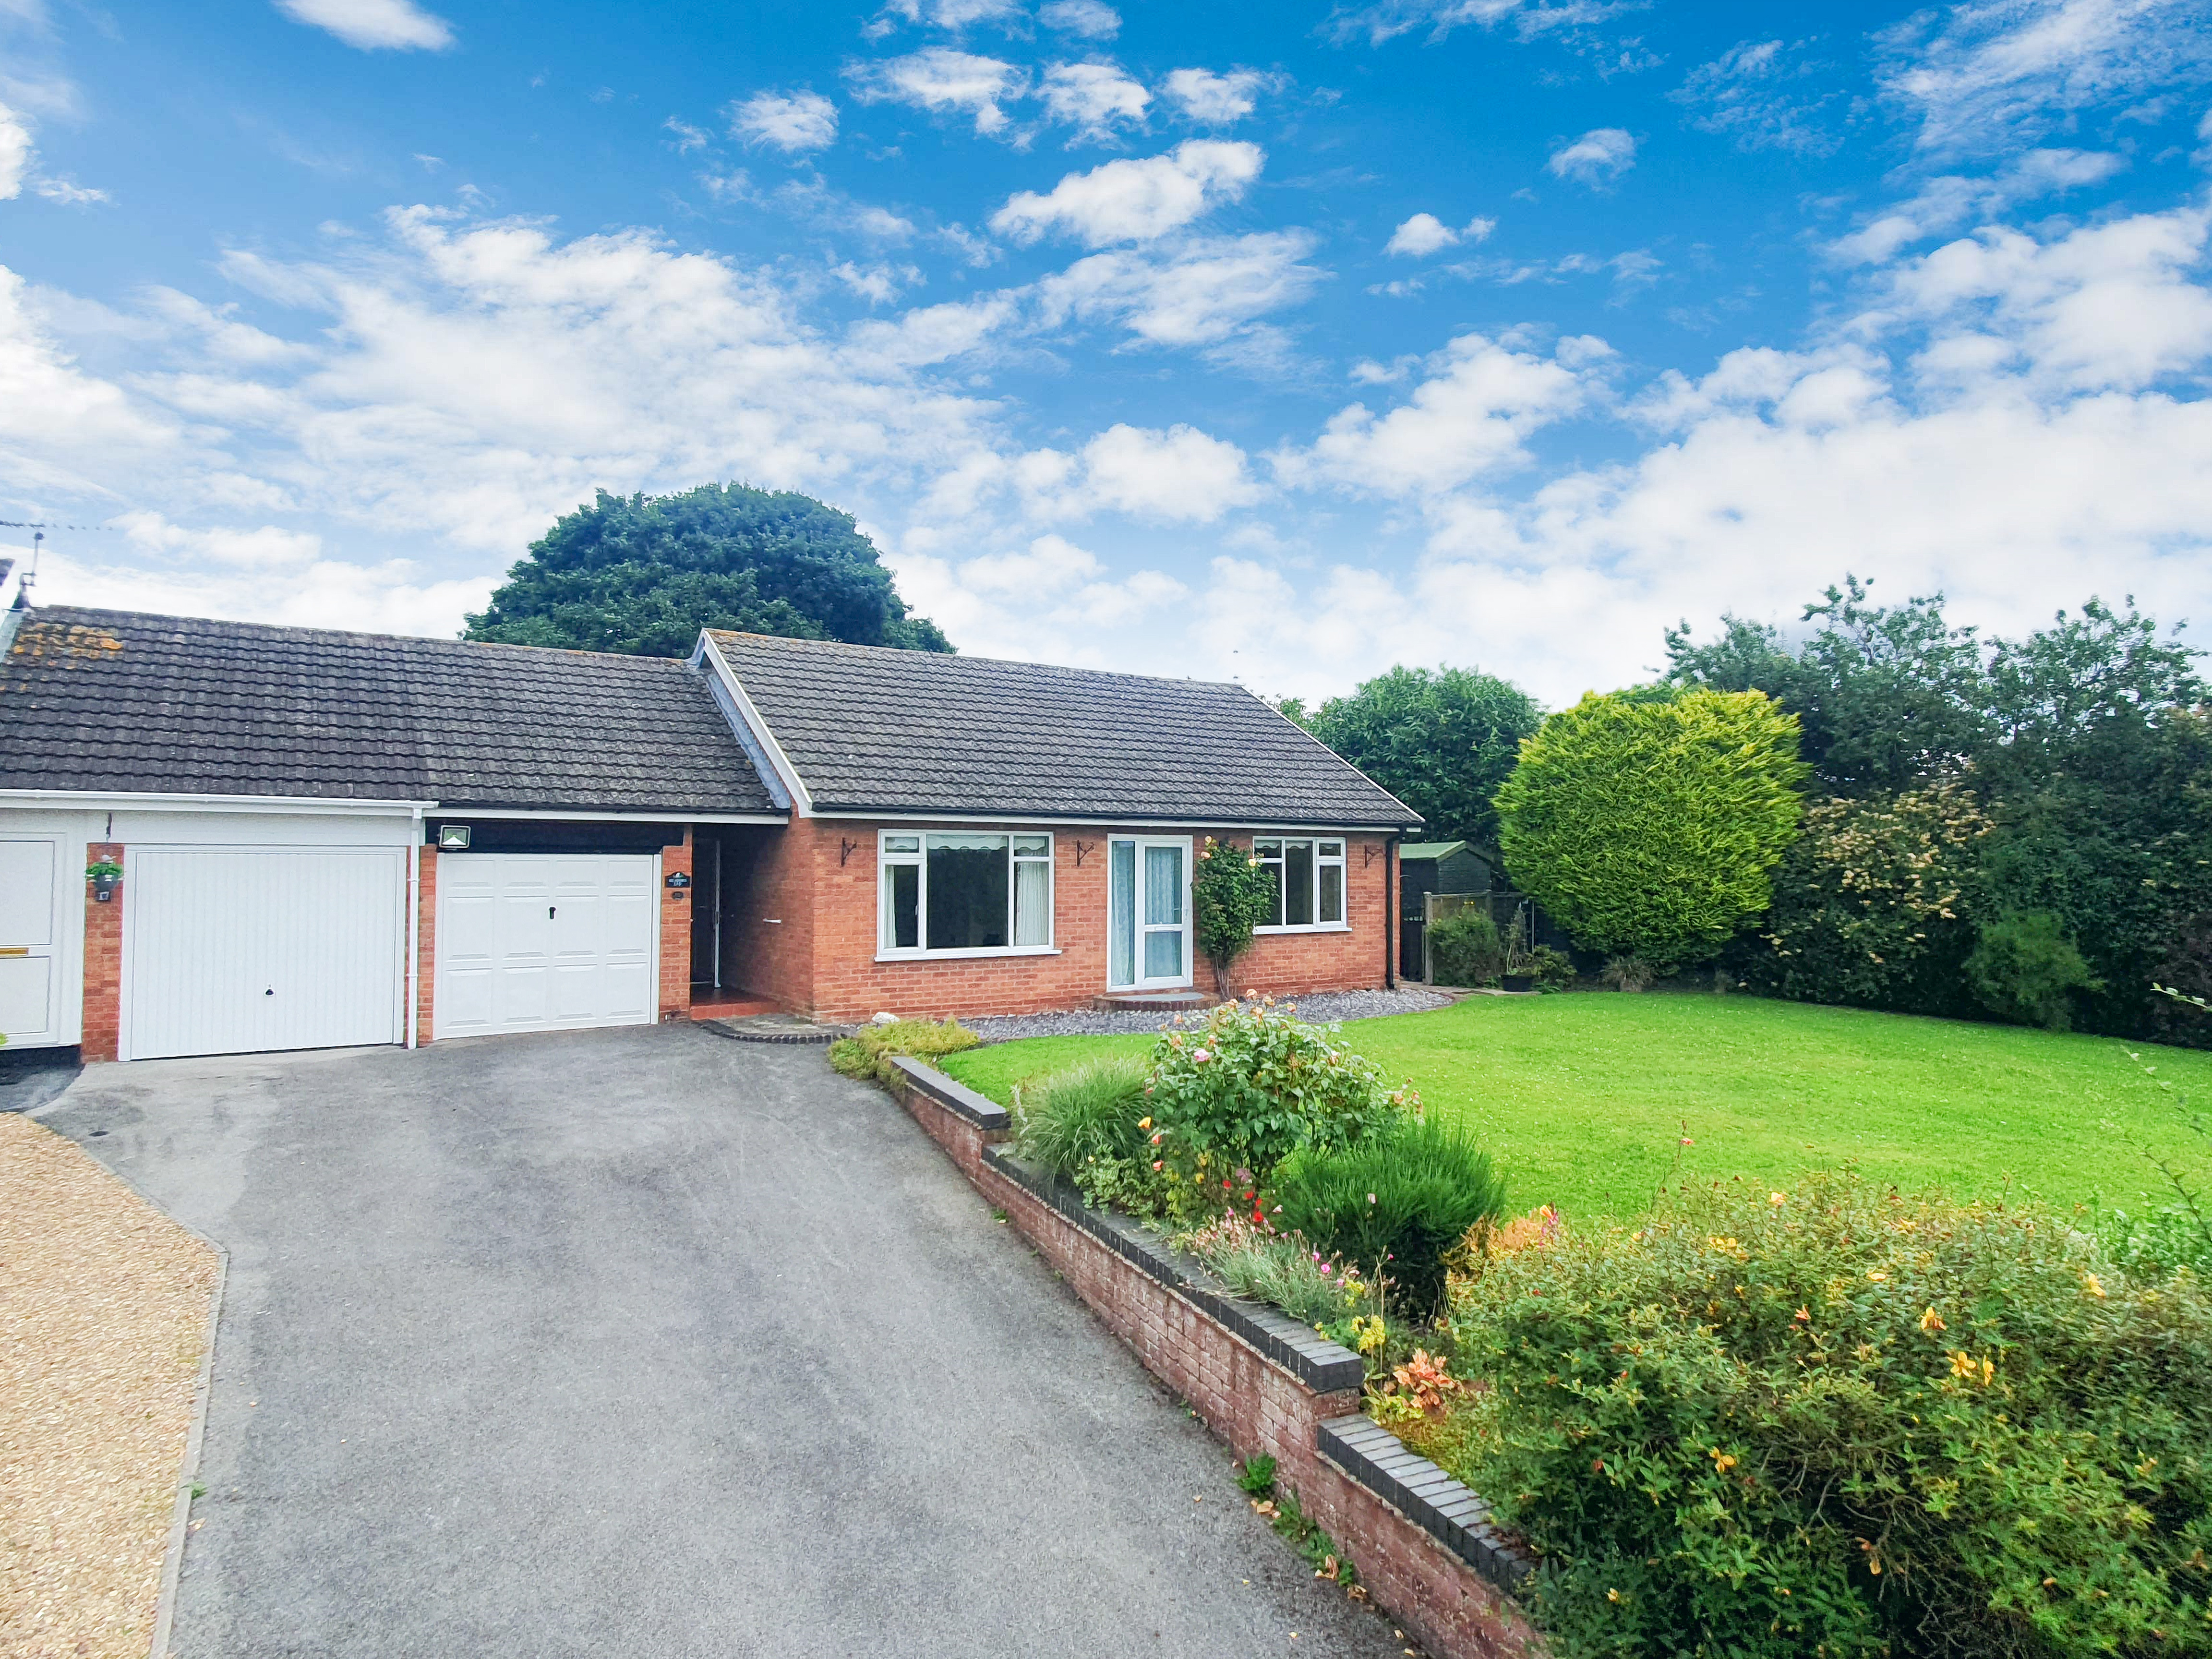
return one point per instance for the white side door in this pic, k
(31, 885)
(546, 942)
(245, 950)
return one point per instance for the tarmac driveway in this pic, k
(649, 1342)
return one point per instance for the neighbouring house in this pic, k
(296, 838)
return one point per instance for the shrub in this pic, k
(867, 1052)
(1396, 1204)
(1250, 1084)
(2025, 969)
(1465, 949)
(1553, 969)
(1870, 903)
(1651, 826)
(1626, 974)
(1075, 1121)
(1839, 1421)
(1266, 1265)
(1230, 894)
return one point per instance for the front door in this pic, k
(31, 888)
(1148, 913)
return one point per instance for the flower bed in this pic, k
(1423, 1545)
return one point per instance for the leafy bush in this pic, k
(1266, 1265)
(1088, 1115)
(1651, 826)
(867, 1053)
(1465, 949)
(1552, 969)
(1250, 1084)
(1626, 974)
(1230, 894)
(1870, 905)
(2024, 968)
(1842, 1422)
(1396, 1204)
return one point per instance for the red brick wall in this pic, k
(1259, 1408)
(846, 982)
(426, 954)
(676, 932)
(768, 916)
(103, 961)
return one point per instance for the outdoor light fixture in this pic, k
(452, 837)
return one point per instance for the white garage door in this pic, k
(546, 941)
(229, 951)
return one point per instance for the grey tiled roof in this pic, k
(868, 729)
(112, 699)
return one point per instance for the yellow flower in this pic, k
(2093, 1285)
(1931, 1321)
(1877, 1276)
(1778, 1198)
(1144, 1124)
(1722, 1460)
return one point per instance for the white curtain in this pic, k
(1032, 901)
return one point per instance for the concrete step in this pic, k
(1169, 1002)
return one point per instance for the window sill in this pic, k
(1315, 927)
(962, 956)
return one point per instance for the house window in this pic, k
(954, 892)
(1308, 881)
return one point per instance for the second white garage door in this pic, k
(546, 942)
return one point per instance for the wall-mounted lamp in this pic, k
(845, 850)
(1081, 847)
(452, 837)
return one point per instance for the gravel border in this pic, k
(1321, 1008)
(103, 1341)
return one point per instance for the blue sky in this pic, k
(1280, 341)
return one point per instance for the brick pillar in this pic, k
(676, 932)
(426, 942)
(103, 961)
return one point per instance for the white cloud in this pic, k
(1216, 101)
(954, 13)
(69, 192)
(1135, 201)
(1989, 75)
(1943, 203)
(688, 137)
(16, 153)
(1468, 418)
(1204, 292)
(371, 25)
(1091, 97)
(1755, 94)
(1601, 154)
(1093, 20)
(392, 596)
(1424, 233)
(938, 78)
(1181, 474)
(879, 285)
(793, 122)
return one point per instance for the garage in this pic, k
(546, 941)
(245, 950)
(31, 937)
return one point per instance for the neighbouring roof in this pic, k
(112, 699)
(1429, 849)
(869, 729)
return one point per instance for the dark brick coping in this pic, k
(957, 1098)
(1321, 1366)
(1427, 1496)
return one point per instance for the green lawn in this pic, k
(1585, 1097)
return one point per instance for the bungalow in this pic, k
(297, 838)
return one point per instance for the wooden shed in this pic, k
(1433, 867)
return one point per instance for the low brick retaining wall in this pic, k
(1423, 1543)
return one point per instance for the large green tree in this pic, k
(1651, 827)
(644, 573)
(2086, 744)
(1442, 742)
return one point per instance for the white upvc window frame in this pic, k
(1187, 846)
(1340, 861)
(917, 859)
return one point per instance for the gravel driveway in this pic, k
(650, 1342)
